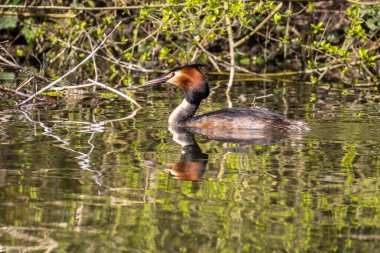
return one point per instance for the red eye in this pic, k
(171, 74)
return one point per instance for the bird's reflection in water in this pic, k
(244, 136)
(192, 164)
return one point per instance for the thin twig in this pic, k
(244, 39)
(364, 65)
(18, 93)
(10, 56)
(231, 45)
(141, 41)
(82, 8)
(72, 87)
(11, 64)
(72, 70)
(32, 243)
(24, 83)
(115, 91)
(203, 41)
(364, 3)
(287, 29)
(93, 61)
(213, 62)
(102, 85)
(248, 72)
(95, 125)
(42, 15)
(112, 59)
(264, 96)
(133, 46)
(16, 66)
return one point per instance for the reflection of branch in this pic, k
(45, 243)
(73, 69)
(83, 157)
(97, 127)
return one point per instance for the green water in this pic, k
(90, 176)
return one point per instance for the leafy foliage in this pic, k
(333, 40)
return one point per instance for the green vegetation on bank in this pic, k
(318, 41)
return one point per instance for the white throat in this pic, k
(182, 113)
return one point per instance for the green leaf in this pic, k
(277, 19)
(7, 76)
(164, 52)
(90, 3)
(29, 31)
(20, 52)
(318, 27)
(244, 61)
(8, 22)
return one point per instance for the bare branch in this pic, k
(82, 8)
(42, 15)
(115, 91)
(231, 45)
(73, 69)
(18, 93)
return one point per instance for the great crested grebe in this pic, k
(192, 80)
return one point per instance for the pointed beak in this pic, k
(161, 79)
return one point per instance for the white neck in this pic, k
(182, 113)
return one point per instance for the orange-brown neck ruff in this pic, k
(193, 83)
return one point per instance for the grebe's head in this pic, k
(190, 78)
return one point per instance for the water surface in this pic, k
(95, 176)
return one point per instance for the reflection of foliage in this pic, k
(350, 156)
(297, 195)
